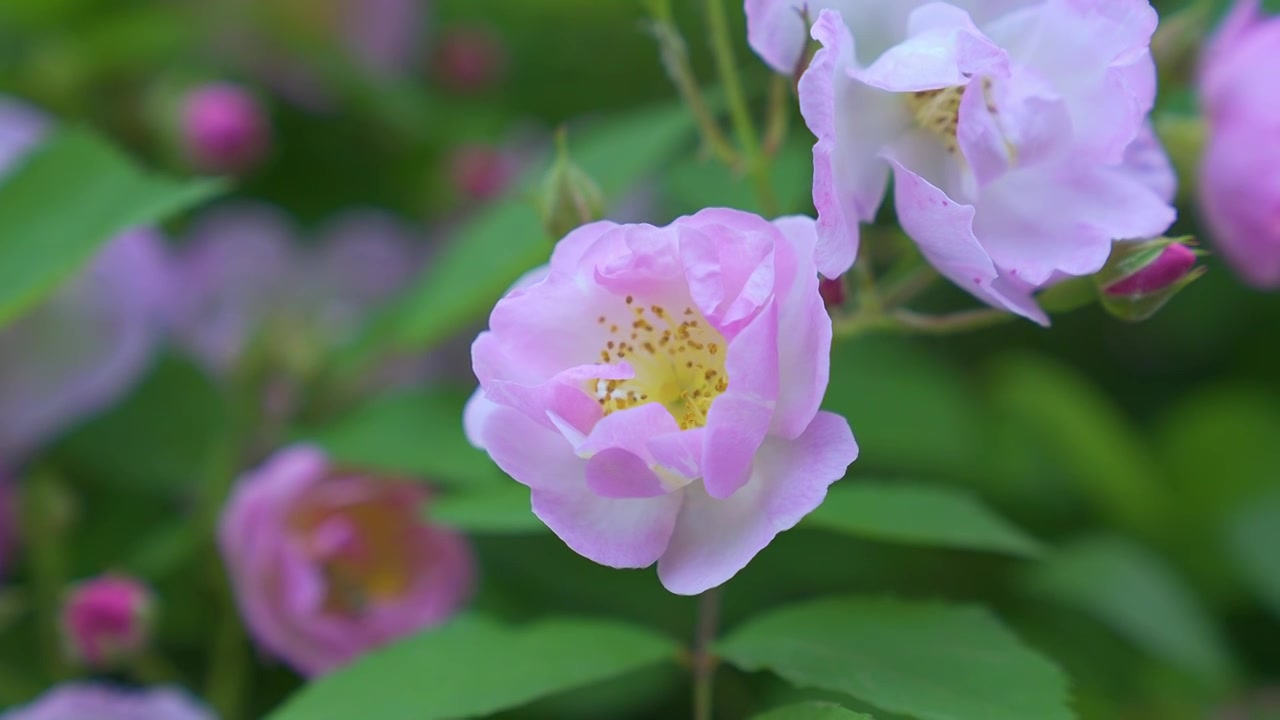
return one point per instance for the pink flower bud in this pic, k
(469, 59)
(1140, 277)
(481, 172)
(107, 620)
(832, 292)
(1169, 267)
(328, 564)
(224, 129)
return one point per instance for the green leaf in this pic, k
(507, 239)
(928, 661)
(502, 510)
(1131, 591)
(71, 195)
(469, 276)
(414, 433)
(1086, 436)
(813, 711)
(157, 439)
(1254, 536)
(474, 667)
(897, 396)
(916, 514)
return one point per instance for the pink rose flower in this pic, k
(79, 701)
(329, 564)
(657, 389)
(107, 620)
(1240, 176)
(1005, 123)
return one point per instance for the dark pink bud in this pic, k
(832, 292)
(107, 620)
(481, 172)
(1173, 264)
(224, 129)
(469, 59)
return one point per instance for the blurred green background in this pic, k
(1147, 457)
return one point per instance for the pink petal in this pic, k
(715, 538)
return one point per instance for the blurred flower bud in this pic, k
(569, 196)
(1140, 277)
(469, 59)
(107, 621)
(1239, 188)
(481, 172)
(832, 291)
(224, 129)
(329, 564)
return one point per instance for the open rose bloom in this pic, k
(1006, 124)
(328, 564)
(1239, 183)
(658, 388)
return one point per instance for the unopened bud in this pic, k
(481, 172)
(106, 621)
(569, 196)
(1141, 277)
(469, 59)
(832, 292)
(224, 129)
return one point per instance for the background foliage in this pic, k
(1109, 491)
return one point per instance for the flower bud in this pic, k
(1141, 277)
(481, 172)
(469, 59)
(106, 621)
(224, 129)
(570, 197)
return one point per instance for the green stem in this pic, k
(869, 301)
(744, 128)
(778, 119)
(675, 58)
(704, 661)
(909, 285)
(227, 681)
(45, 509)
(912, 323)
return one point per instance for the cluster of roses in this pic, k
(658, 388)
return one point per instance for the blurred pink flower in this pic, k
(248, 277)
(328, 564)
(82, 701)
(1005, 124)
(107, 620)
(384, 38)
(658, 391)
(469, 59)
(483, 172)
(224, 129)
(8, 520)
(1240, 176)
(84, 346)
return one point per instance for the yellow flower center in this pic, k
(938, 111)
(678, 361)
(375, 563)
